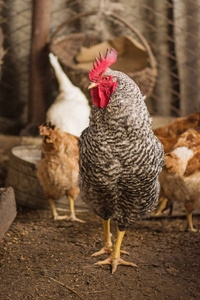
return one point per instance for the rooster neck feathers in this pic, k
(126, 107)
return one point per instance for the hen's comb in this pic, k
(103, 64)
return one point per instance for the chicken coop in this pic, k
(79, 180)
(30, 29)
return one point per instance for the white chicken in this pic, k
(70, 110)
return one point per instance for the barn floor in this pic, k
(45, 259)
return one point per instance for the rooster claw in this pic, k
(124, 252)
(104, 250)
(114, 262)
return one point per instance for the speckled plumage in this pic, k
(119, 156)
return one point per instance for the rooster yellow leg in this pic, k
(189, 222)
(107, 248)
(114, 260)
(161, 206)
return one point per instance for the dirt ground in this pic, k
(45, 259)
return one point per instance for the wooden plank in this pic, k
(8, 209)
(39, 64)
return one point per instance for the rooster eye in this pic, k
(106, 78)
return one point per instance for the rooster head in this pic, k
(102, 84)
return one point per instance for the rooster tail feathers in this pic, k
(63, 80)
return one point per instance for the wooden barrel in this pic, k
(23, 178)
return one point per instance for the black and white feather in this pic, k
(120, 158)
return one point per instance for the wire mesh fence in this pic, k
(171, 27)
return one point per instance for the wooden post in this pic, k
(39, 65)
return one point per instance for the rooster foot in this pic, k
(114, 262)
(106, 250)
(124, 252)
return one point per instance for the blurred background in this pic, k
(29, 29)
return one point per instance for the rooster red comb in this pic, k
(103, 64)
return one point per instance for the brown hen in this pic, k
(169, 135)
(180, 177)
(58, 168)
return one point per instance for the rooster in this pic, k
(119, 156)
(58, 168)
(70, 111)
(180, 177)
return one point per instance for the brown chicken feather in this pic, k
(58, 168)
(180, 177)
(169, 136)
(170, 133)
(193, 165)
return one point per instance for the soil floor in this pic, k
(45, 259)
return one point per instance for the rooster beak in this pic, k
(92, 85)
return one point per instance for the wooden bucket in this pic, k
(23, 178)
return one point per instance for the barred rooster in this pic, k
(120, 158)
